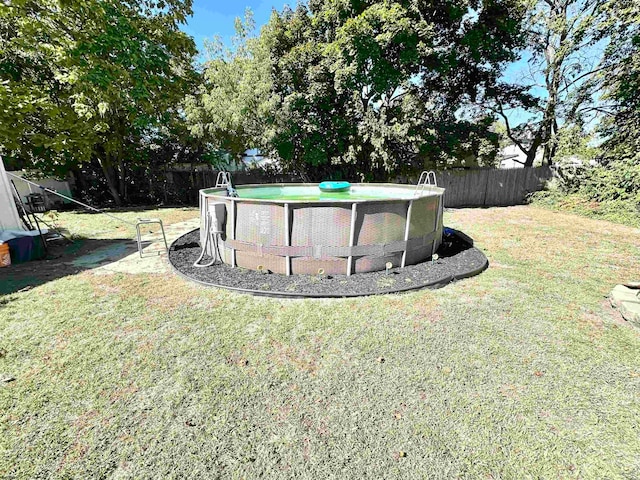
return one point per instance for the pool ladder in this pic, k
(223, 179)
(427, 178)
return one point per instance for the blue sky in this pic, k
(216, 17)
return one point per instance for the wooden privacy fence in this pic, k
(489, 187)
(186, 183)
(464, 188)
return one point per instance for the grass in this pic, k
(626, 212)
(84, 224)
(521, 372)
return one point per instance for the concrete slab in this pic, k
(123, 257)
(102, 255)
(627, 301)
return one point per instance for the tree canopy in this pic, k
(354, 89)
(620, 79)
(229, 106)
(620, 124)
(88, 79)
(366, 88)
(563, 53)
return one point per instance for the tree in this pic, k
(90, 79)
(614, 183)
(230, 105)
(563, 53)
(620, 80)
(619, 177)
(376, 88)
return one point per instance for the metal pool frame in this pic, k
(329, 237)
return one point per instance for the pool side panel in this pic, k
(311, 266)
(424, 219)
(319, 226)
(380, 223)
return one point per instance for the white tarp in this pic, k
(9, 219)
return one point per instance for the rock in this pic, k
(631, 312)
(620, 294)
(627, 301)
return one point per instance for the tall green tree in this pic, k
(90, 79)
(618, 178)
(361, 89)
(564, 52)
(230, 106)
(375, 88)
(620, 80)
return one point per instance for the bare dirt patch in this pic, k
(163, 292)
(305, 360)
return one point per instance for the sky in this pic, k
(216, 17)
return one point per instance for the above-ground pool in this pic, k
(296, 228)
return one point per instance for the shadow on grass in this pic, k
(64, 260)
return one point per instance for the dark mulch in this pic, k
(457, 259)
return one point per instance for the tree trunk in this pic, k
(123, 180)
(556, 57)
(531, 156)
(79, 182)
(112, 183)
(533, 149)
(554, 145)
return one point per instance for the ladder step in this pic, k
(427, 178)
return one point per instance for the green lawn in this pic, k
(521, 372)
(85, 224)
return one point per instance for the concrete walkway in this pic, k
(123, 257)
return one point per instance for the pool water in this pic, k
(313, 194)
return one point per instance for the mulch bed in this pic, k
(457, 259)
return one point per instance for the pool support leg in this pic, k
(406, 233)
(352, 236)
(233, 232)
(287, 236)
(439, 214)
